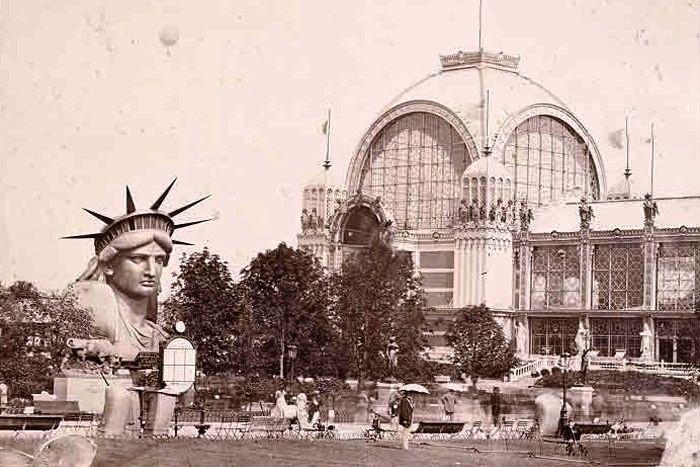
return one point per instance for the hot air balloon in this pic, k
(169, 36)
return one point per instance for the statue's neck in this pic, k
(134, 309)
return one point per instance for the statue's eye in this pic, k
(138, 259)
(160, 260)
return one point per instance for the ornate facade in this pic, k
(519, 218)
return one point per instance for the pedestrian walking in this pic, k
(314, 408)
(496, 406)
(393, 410)
(448, 403)
(405, 418)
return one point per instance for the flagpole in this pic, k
(481, 48)
(651, 187)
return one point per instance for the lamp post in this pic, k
(564, 360)
(292, 352)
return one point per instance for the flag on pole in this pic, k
(324, 127)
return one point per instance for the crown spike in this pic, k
(130, 206)
(103, 218)
(178, 242)
(187, 224)
(184, 208)
(92, 235)
(161, 198)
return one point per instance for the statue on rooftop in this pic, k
(585, 211)
(526, 216)
(463, 211)
(473, 210)
(313, 219)
(304, 220)
(492, 213)
(651, 210)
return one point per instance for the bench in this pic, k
(24, 422)
(439, 428)
(271, 427)
(51, 407)
(234, 425)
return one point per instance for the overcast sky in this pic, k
(91, 100)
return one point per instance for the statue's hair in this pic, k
(125, 242)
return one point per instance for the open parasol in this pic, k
(456, 387)
(414, 388)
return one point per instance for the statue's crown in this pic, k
(145, 219)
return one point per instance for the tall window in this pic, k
(618, 272)
(437, 270)
(678, 273)
(552, 336)
(611, 334)
(678, 340)
(555, 277)
(415, 165)
(547, 159)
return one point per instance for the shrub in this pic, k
(545, 373)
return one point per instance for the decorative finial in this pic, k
(327, 131)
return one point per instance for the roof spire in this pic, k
(327, 130)
(627, 172)
(481, 9)
(487, 143)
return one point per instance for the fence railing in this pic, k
(523, 371)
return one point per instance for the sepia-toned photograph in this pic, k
(242, 233)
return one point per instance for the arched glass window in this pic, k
(415, 165)
(360, 227)
(548, 159)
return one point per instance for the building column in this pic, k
(650, 250)
(459, 281)
(525, 263)
(586, 280)
(473, 271)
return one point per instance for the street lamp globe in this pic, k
(292, 351)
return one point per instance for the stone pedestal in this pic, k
(548, 411)
(384, 391)
(581, 397)
(87, 389)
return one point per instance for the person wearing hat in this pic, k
(405, 412)
(448, 403)
(314, 408)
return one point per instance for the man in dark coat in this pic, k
(405, 418)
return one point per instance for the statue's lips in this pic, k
(148, 283)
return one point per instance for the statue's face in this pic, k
(136, 273)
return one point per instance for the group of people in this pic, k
(306, 410)
(401, 408)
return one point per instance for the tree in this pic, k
(34, 328)
(286, 302)
(480, 348)
(205, 298)
(376, 296)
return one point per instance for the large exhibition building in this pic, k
(500, 194)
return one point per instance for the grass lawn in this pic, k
(188, 452)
